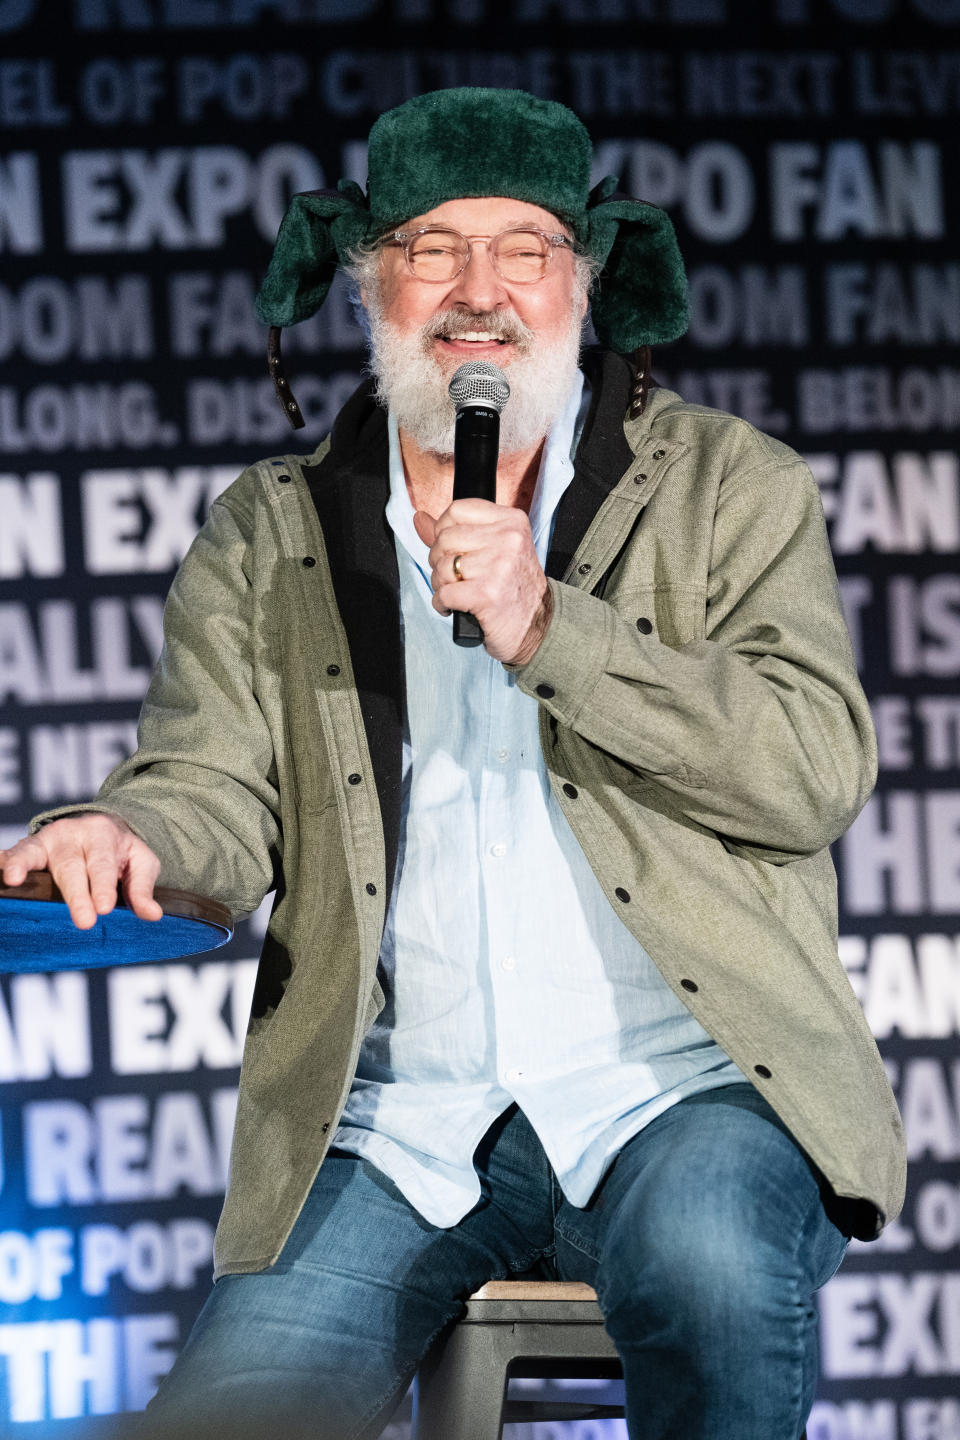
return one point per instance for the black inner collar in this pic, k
(603, 455)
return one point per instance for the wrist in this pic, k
(537, 630)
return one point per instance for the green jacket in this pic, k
(703, 729)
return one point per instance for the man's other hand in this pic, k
(89, 856)
(503, 582)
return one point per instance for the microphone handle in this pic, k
(476, 448)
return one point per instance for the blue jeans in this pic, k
(705, 1242)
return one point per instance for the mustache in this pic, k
(411, 373)
(451, 324)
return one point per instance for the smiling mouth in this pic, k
(474, 337)
(461, 331)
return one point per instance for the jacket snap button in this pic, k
(283, 479)
(644, 626)
(354, 779)
(763, 1072)
(571, 791)
(371, 888)
(690, 985)
(333, 669)
(584, 569)
(622, 894)
(659, 454)
(639, 479)
(546, 692)
(309, 561)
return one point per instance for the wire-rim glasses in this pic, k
(520, 255)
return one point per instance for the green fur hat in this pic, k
(455, 143)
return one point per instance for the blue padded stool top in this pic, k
(36, 932)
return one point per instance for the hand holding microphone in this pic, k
(479, 390)
(482, 554)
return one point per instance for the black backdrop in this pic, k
(807, 150)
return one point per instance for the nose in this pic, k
(478, 285)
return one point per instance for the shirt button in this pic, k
(498, 849)
(508, 963)
(513, 1076)
(503, 755)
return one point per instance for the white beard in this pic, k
(412, 381)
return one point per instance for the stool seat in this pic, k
(515, 1290)
(37, 934)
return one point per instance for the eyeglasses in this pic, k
(438, 255)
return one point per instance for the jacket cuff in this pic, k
(573, 654)
(63, 812)
(138, 818)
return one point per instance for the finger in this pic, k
(69, 870)
(473, 511)
(444, 575)
(103, 871)
(425, 526)
(459, 534)
(445, 571)
(140, 876)
(491, 565)
(478, 538)
(30, 853)
(475, 551)
(458, 595)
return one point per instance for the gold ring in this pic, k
(457, 567)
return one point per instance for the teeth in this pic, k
(478, 336)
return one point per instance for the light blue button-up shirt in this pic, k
(507, 974)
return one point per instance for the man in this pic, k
(552, 969)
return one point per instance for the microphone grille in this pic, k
(480, 383)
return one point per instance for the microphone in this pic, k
(479, 390)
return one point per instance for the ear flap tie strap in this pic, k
(280, 382)
(641, 381)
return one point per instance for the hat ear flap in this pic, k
(640, 297)
(320, 226)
